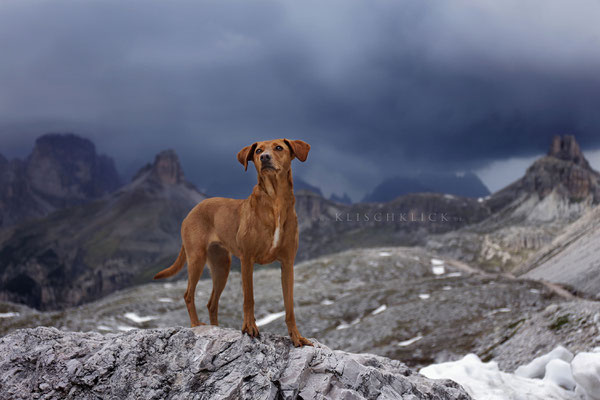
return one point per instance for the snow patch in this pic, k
(486, 381)
(384, 254)
(379, 309)
(327, 302)
(104, 328)
(9, 314)
(537, 367)
(165, 300)
(454, 275)
(447, 288)
(137, 319)
(437, 261)
(438, 270)
(586, 372)
(424, 296)
(346, 326)
(410, 341)
(269, 318)
(125, 328)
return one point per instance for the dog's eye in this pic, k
(258, 151)
(278, 148)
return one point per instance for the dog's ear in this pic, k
(298, 148)
(246, 155)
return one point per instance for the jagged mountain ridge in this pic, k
(81, 253)
(62, 170)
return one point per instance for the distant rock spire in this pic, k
(566, 148)
(167, 169)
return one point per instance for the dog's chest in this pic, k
(277, 233)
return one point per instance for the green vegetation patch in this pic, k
(559, 322)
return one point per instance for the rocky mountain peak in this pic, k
(167, 169)
(566, 148)
(563, 172)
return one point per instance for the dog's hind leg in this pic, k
(196, 261)
(219, 261)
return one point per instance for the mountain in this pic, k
(81, 253)
(564, 171)
(62, 170)
(460, 184)
(528, 214)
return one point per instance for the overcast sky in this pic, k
(378, 88)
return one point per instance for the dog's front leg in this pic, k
(249, 325)
(287, 284)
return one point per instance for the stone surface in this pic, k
(200, 363)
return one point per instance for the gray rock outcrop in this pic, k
(62, 170)
(200, 363)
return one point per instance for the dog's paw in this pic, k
(300, 341)
(250, 328)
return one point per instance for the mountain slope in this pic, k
(556, 190)
(82, 253)
(572, 258)
(61, 171)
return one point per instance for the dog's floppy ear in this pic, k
(299, 148)
(246, 155)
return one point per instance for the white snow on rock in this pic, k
(165, 300)
(9, 314)
(586, 372)
(138, 319)
(125, 328)
(537, 367)
(269, 318)
(454, 275)
(346, 326)
(410, 341)
(327, 302)
(437, 261)
(379, 309)
(384, 254)
(104, 328)
(438, 270)
(484, 381)
(424, 296)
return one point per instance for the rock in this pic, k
(62, 170)
(200, 363)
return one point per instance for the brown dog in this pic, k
(260, 229)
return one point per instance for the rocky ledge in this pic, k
(201, 363)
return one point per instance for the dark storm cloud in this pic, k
(377, 88)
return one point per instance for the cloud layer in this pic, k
(378, 88)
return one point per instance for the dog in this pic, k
(260, 229)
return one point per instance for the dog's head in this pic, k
(273, 156)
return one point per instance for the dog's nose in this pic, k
(265, 157)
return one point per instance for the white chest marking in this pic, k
(276, 234)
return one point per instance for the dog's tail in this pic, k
(173, 269)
